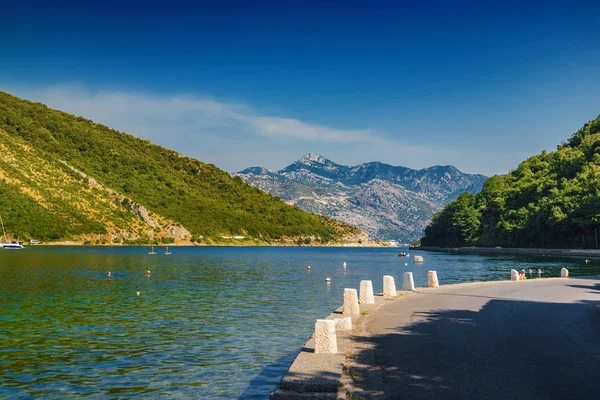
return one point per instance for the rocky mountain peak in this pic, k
(389, 202)
(313, 158)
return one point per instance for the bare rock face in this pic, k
(143, 214)
(177, 231)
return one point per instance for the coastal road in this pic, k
(533, 339)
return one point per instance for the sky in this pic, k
(480, 85)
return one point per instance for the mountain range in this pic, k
(388, 202)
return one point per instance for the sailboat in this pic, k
(5, 244)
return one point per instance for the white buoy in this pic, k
(325, 339)
(328, 280)
(405, 264)
(408, 282)
(137, 293)
(344, 264)
(366, 292)
(389, 286)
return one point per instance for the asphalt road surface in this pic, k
(534, 339)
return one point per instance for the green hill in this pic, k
(66, 177)
(551, 200)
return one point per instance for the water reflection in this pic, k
(208, 322)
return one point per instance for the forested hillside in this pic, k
(63, 175)
(551, 200)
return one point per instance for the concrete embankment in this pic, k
(314, 375)
(589, 253)
(533, 339)
(538, 338)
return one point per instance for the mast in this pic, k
(3, 231)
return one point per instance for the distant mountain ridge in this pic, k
(389, 202)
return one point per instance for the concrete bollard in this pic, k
(350, 302)
(343, 324)
(514, 275)
(418, 259)
(432, 280)
(564, 273)
(389, 286)
(408, 282)
(366, 292)
(325, 339)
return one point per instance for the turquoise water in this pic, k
(208, 322)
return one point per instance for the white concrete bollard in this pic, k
(514, 275)
(366, 292)
(432, 280)
(418, 259)
(408, 282)
(350, 302)
(343, 324)
(564, 273)
(325, 339)
(389, 286)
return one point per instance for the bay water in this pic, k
(209, 322)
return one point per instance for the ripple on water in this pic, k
(209, 322)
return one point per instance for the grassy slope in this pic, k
(201, 197)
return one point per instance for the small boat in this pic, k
(152, 251)
(13, 245)
(167, 251)
(402, 254)
(6, 245)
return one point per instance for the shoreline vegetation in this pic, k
(550, 200)
(215, 243)
(512, 251)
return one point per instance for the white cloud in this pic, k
(139, 114)
(235, 136)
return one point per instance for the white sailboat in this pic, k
(5, 244)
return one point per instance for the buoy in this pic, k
(328, 280)
(405, 264)
(137, 293)
(308, 268)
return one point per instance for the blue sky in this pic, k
(477, 84)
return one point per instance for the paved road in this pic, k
(536, 339)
